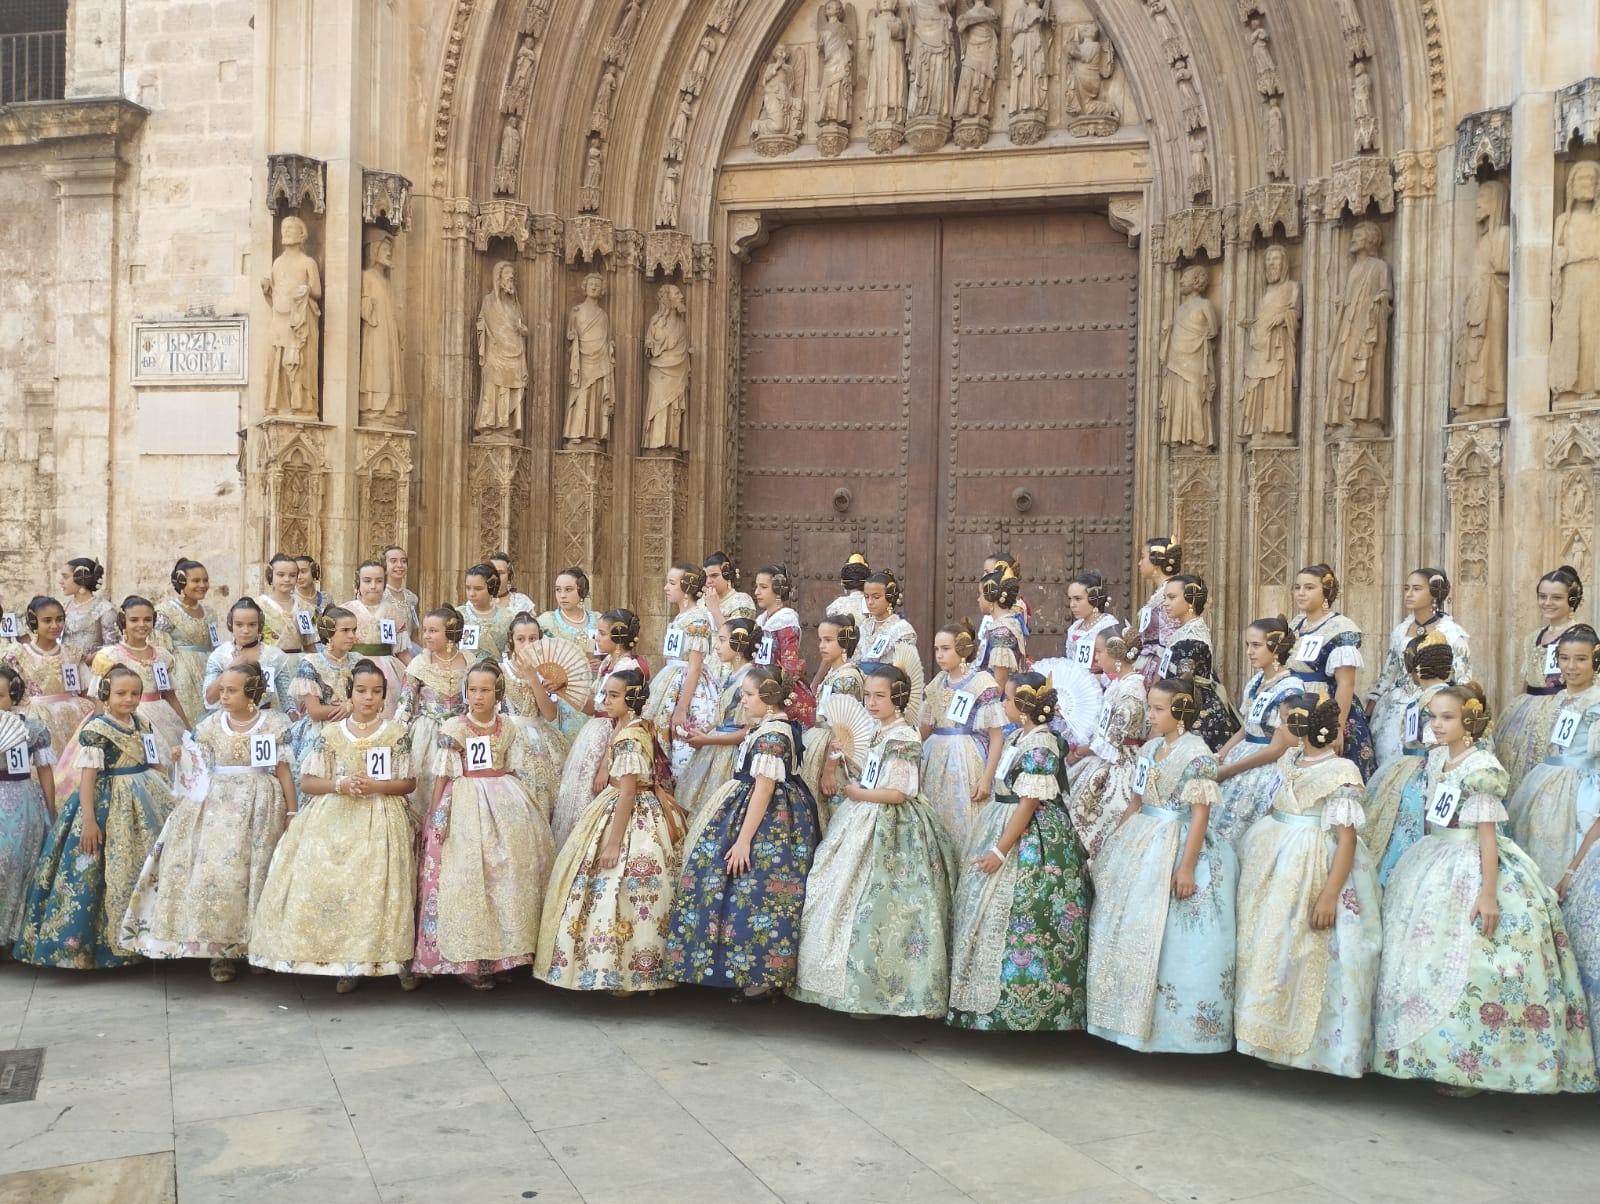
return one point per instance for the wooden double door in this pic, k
(926, 390)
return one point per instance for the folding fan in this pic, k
(852, 728)
(565, 669)
(1079, 696)
(909, 661)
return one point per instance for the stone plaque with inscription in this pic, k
(193, 352)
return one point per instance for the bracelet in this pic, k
(995, 849)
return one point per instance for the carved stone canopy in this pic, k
(588, 238)
(1266, 206)
(1483, 138)
(383, 199)
(1357, 183)
(1578, 114)
(295, 180)
(1191, 233)
(501, 219)
(668, 251)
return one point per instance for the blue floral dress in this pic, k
(744, 931)
(1247, 796)
(1189, 655)
(23, 822)
(1580, 911)
(1161, 969)
(73, 916)
(1333, 644)
(1020, 936)
(710, 767)
(1520, 736)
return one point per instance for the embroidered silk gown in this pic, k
(1395, 802)
(1520, 735)
(1334, 643)
(371, 645)
(843, 681)
(1189, 655)
(1394, 691)
(275, 668)
(712, 767)
(24, 746)
(1155, 628)
(191, 639)
(47, 698)
(1102, 783)
(1247, 796)
(689, 632)
(782, 629)
(430, 697)
(1559, 797)
(961, 711)
(592, 745)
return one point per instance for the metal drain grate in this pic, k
(19, 1074)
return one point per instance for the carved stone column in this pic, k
(659, 506)
(445, 425)
(1572, 476)
(1274, 505)
(291, 461)
(632, 530)
(545, 312)
(500, 486)
(1474, 494)
(582, 510)
(383, 486)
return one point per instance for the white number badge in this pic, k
(152, 754)
(17, 759)
(872, 771)
(879, 647)
(1442, 807)
(8, 626)
(1007, 760)
(70, 681)
(1551, 666)
(264, 751)
(672, 646)
(1308, 649)
(269, 678)
(1259, 708)
(961, 704)
(380, 767)
(1144, 618)
(211, 630)
(304, 623)
(1413, 723)
(388, 633)
(1566, 727)
(163, 678)
(827, 692)
(764, 652)
(1104, 726)
(1165, 666)
(479, 755)
(469, 638)
(1083, 653)
(1141, 775)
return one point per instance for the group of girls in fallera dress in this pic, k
(1398, 884)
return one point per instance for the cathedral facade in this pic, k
(614, 282)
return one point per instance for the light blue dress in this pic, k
(1247, 796)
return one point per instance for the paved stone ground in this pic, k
(274, 1088)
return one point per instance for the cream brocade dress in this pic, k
(190, 639)
(47, 699)
(430, 697)
(955, 755)
(340, 897)
(201, 883)
(1102, 783)
(1304, 998)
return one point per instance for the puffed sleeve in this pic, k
(306, 684)
(901, 768)
(1483, 792)
(1345, 651)
(991, 711)
(216, 661)
(1037, 778)
(1002, 653)
(769, 758)
(629, 755)
(697, 633)
(1342, 808)
(402, 756)
(1198, 785)
(39, 743)
(446, 757)
(318, 762)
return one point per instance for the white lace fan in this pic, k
(909, 661)
(1079, 696)
(565, 669)
(851, 727)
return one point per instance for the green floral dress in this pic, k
(1020, 936)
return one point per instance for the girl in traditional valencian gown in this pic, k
(510, 600)
(380, 631)
(340, 898)
(1425, 592)
(1396, 799)
(1579, 891)
(91, 620)
(541, 715)
(1519, 739)
(1161, 936)
(1087, 601)
(104, 831)
(1101, 772)
(158, 704)
(723, 599)
(1248, 774)
(736, 915)
(1478, 988)
(852, 579)
(395, 565)
(321, 686)
(45, 665)
(308, 592)
(1189, 656)
(1309, 929)
(244, 643)
(1009, 564)
(27, 801)
(887, 638)
(683, 696)
(432, 695)
(486, 845)
(187, 628)
(780, 638)
(837, 676)
(616, 635)
(1003, 648)
(607, 911)
(285, 624)
(962, 728)
(874, 939)
(202, 880)
(1327, 657)
(716, 753)
(571, 619)
(1560, 796)
(1019, 933)
(1161, 560)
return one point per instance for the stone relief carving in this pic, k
(591, 367)
(293, 287)
(502, 358)
(500, 219)
(384, 196)
(1188, 359)
(723, 13)
(1194, 508)
(1274, 489)
(1480, 361)
(666, 346)
(292, 459)
(593, 171)
(1578, 114)
(620, 44)
(514, 101)
(886, 78)
(295, 180)
(535, 18)
(1262, 62)
(588, 238)
(1357, 184)
(776, 129)
(1356, 44)
(605, 101)
(1362, 111)
(678, 134)
(1194, 232)
(1483, 138)
(1361, 504)
(1358, 367)
(1472, 479)
(1266, 206)
(668, 198)
(1090, 64)
(1416, 173)
(1275, 139)
(1575, 261)
(1194, 111)
(381, 399)
(383, 474)
(931, 75)
(694, 81)
(1199, 166)
(669, 251)
(1271, 362)
(836, 47)
(505, 164)
(1030, 73)
(1572, 465)
(1172, 43)
(979, 30)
